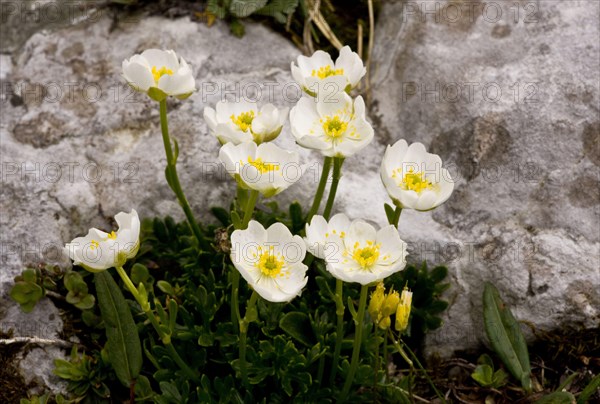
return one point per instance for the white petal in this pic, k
(210, 116)
(160, 58)
(138, 76)
(391, 247)
(317, 60)
(297, 74)
(338, 104)
(360, 232)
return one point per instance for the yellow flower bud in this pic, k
(377, 299)
(403, 310)
(390, 304)
(385, 323)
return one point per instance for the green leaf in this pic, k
(27, 295)
(438, 274)
(243, 8)
(483, 375)
(499, 378)
(170, 392)
(236, 219)
(169, 175)
(279, 9)
(215, 8)
(86, 303)
(297, 325)
(74, 282)
(589, 390)
(237, 28)
(124, 348)
(485, 360)
(221, 215)
(558, 397)
(143, 388)
(296, 216)
(29, 275)
(175, 150)
(166, 287)
(390, 212)
(505, 336)
(139, 274)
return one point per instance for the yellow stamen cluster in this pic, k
(366, 256)
(112, 235)
(157, 73)
(243, 120)
(334, 127)
(261, 166)
(326, 71)
(94, 244)
(414, 181)
(269, 263)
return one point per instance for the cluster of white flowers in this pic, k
(336, 126)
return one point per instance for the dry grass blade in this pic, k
(316, 16)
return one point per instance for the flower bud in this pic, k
(390, 304)
(377, 300)
(403, 310)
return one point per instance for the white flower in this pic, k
(159, 73)
(243, 121)
(335, 126)
(413, 178)
(270, 260)
(319, 73)
(318, 232)
(99, 250)
(357, 252)
(266, 168)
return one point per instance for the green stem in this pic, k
(396, 218)
(412, 354)
(385, 358)
(235, 275)
(243, 333)
(173, 178)
(249, 209)
(358, 322)
(339, 332)
(335, 180)
(165, 338)
(377, 361)
(320, 189)
(400, 350)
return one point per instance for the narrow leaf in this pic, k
(124, 349)
(558, 397)
(589, 390)
(505, 336)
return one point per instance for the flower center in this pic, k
(243, 120)
(269, 264)
(326, 71)
(334, 127)
(261, 166)
(94, 245)
(414, 181)
(366, 256)
(112, 235)
(159, 72)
